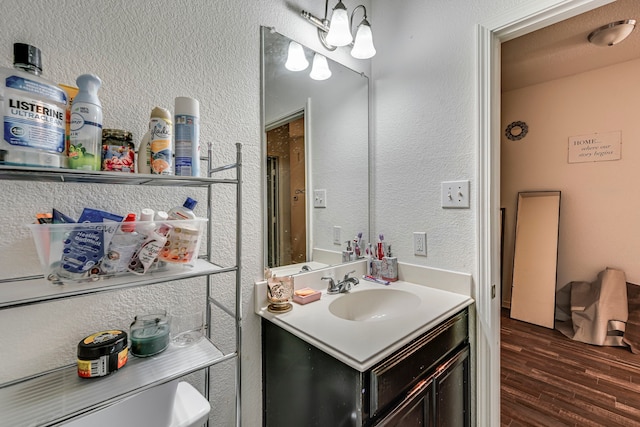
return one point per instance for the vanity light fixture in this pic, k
(320, 68)
(338, 31)
(613, 33)
(296, 59)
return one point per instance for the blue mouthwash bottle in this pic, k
(33, 113)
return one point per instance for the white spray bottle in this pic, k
(85, 138)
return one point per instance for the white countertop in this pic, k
(362, 344)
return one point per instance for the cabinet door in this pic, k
(416, 410)
(453, 392)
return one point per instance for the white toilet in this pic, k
(153, 408)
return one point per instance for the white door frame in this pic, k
(528, 17)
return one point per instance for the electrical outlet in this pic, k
(337, 231)
(420, 243)
(455, 194)
(319, 198)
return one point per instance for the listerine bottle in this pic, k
(33, 113)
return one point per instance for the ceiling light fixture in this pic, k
(338, 31)
(613, 33)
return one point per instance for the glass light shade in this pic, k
(363, 46)
(613, 33)
(296, 60)
(320, 69)
(339, 28)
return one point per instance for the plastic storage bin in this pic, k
(82, 252)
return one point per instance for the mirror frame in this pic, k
(263, 153)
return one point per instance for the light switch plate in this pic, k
(455, 194)
(319, 198)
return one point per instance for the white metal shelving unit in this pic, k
(53, 397)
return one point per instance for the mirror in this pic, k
(316, 144)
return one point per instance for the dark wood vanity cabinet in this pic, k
(426, 383)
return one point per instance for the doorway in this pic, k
(286, 192)
(519, 21)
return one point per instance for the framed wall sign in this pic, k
(597, 147)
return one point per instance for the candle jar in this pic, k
(279, 294)
(118, 152)
(149, 334)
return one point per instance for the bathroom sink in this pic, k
(374, 305)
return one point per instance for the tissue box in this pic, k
(306, 295)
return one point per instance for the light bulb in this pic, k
(296, 60)
(363, 46)
(320, 69)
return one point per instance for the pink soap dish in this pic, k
(305, 299)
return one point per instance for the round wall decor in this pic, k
(516, 131)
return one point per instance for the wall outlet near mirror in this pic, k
(420, 243)
(337, 231)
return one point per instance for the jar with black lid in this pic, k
(118, 151)
(102, 353)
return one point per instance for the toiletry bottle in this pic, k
(161, 216)
(123, 244)
(160, 142)
(144, 154)
(369, 257)
(347, 254)
(389, 267)
(33, 113)
(357, 250)
(148, 252)
(85, 139)
(146, 226)
(185, 211)
(146, 215)
(187, 135)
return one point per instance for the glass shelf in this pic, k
(59, 395)
(19, 292)
(21, 173)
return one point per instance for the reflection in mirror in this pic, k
(316, 145)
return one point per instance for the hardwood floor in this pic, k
(550, 380)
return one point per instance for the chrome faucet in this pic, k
(343, 286)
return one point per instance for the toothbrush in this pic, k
(376, 280)
(380, 253)
(369, 252)
(356, 245)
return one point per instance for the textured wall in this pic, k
(424, 112)
(598, 218)
(146, 54)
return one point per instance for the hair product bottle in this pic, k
(187, 136)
